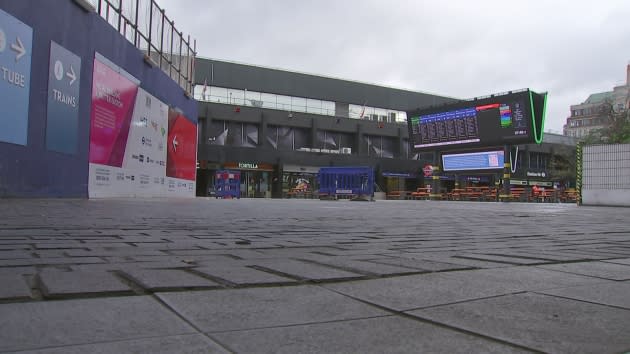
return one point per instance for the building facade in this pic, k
(278, 128)
(593, 114)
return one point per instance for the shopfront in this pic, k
(399, 181)
(255, 178)
(299, 181)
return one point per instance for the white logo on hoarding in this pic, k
(3, 41)
(18, 47)
(175, 143)
(71, 75)
(58, 70)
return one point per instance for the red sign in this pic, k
(427, 170)
(181, 152)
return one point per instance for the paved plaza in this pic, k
(307, 276)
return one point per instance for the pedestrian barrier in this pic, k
(227, 184)
(356, 183)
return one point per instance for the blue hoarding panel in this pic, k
(62, 118)
(16, 41)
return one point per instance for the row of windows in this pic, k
(228, 133)
(532, 161)
(292, 104)
(586, 122)
(593, 110)
(584, 112)
(578, 133)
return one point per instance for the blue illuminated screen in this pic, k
(487, 160)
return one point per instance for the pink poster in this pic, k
(113, 98)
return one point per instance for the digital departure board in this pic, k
(512, 118)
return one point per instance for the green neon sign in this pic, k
(538, 131)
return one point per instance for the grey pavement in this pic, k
(306, 276)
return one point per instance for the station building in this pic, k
(279, 127)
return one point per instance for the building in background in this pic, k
(594, 114)
(279, 127)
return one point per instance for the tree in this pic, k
(562, 164)
(617, 131)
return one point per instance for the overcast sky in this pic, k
(457, 48)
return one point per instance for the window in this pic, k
(283, 102)
(336, 141)
(286, 138)
(298, 104)
(253, 99)
(264, 100)
(379, 146)
(313, 106)
(232, 134)
(269, 100)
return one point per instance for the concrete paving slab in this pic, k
(594, 269)
(197, 252)
(50, 253)
(15, 247)
(609, 293)
(116, 251)
(540, 257)
(449, 259)
(540, 322)
(62, 245)
(27, 270)
(241, 275)
(303, 270)
(366, 267)
(49, 261)
(13, 287)
(554, 256)
(238, 309)
(374, 335)
(57, 283)
(182, 344)
(185, 259)
(420, 264)
(499, 258)
(12, 240)
(416, 291)
(38, 325)
(16, 254)
(102, 267)
(625, 261)
(165, 279)
(591, 254)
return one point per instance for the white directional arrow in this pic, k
(18, 47)
(175, 143)
(71, 75)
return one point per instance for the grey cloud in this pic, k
(456, 48)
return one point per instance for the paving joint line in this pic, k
(439, 324)
(302, 324)
(539, 292)
(166, 305)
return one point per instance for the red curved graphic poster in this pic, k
(181, 152)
